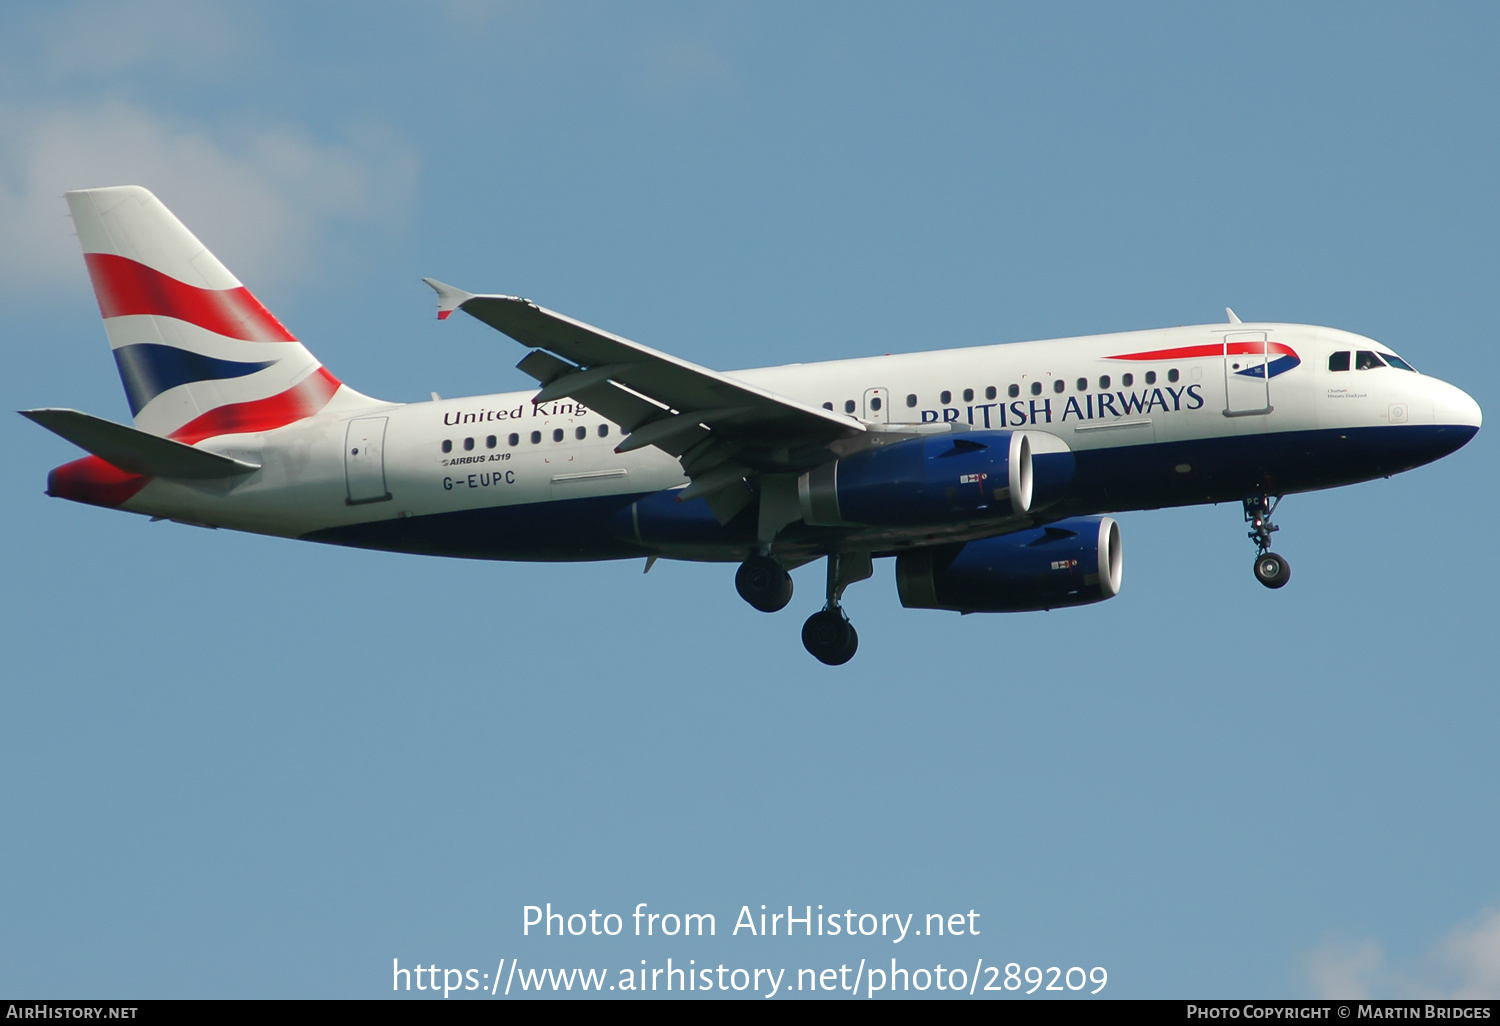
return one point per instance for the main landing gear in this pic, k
(763, 583)
(827, 634)
(1270, 569)
(830, 637)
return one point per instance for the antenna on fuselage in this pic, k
(1234, 318)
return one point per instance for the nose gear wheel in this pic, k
(1271, 570)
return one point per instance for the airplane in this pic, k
(987, 473)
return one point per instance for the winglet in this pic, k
(449, 298)
(1233, 317)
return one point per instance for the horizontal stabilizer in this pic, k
(137, 452)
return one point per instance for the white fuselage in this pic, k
(1178, 425)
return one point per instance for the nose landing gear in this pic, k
(1270, 569)
(828, 634)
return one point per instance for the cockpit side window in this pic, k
(1366, 360)
(1339, 361)
(1396, 361)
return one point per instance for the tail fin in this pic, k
(197, 353)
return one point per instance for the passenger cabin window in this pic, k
(990, 393)
(1036, 388)
(1396, 361)
(514, 439)
(1013, 391)
(968, 395)
(1127, 380)
(828, 406)
(946, 397)
(911, 400)
(1151, 377)
(468, 444)
(1339, 361)
(603, 430)
(1083, 384)
(1104, 381)
(848, 405)
(447, 445)
(580, 433)
(875, 402)
(1172, 375)
(557, 434)
(489, 443)
(1059, 385)
(536, 438)
(1366, 360)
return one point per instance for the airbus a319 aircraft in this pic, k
(985, 472)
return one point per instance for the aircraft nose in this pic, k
(1455, 418)
(1453, 406)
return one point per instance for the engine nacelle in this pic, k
(935, 479)
(1068, 563)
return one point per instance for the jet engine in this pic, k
(938, 478)
(1067, 563)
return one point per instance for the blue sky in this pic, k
(238, 766)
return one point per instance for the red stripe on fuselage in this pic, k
(124, 286)
(1190, 352)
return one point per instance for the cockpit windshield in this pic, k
(1367, 359)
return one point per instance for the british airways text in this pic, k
(1089, 406)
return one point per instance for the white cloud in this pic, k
(1464, 964)
(1343, 970)
(1472, 953)
(262, 198)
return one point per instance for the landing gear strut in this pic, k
(1270, 569)
(763, 583)
(828, 634)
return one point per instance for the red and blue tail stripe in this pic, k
(124, 286)
(147, 369)
(198, 354)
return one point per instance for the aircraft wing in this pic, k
(723, 431)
